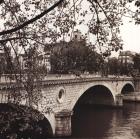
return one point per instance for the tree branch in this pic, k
(1, 1)
(11, 39)
(31, 20)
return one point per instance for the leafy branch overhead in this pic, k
(22, 25)
(45, 22)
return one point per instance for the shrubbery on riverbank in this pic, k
(20, 122)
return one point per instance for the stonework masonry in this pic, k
(59, 98)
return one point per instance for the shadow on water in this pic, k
(92, 113)
(101, 122)
(98, 122)
(91, 121)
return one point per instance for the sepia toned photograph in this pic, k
(69, 69)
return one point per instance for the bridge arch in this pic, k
(127, 88)
(95, 94)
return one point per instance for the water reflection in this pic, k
(107, 123)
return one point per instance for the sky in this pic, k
(129, 31)
(131, 36)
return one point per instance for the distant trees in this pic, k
(136, 60)
(75, 56)
(136, 65)
(126, 69)
(117, 67)
(5, 61)
(113, 65)
(2, 65)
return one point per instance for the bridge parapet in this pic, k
(8, 84)
(63, 93)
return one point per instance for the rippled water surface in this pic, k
(107, 123)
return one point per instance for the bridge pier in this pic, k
(119, 100)
(132, 97)
(63, 123)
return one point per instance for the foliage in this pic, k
(31, 75)
(126, 69)
(20, 122)
(114, 66)
(117, 67)
(135, 14)
(2, 65)
(30, 22)
(136, 60)
(69, 57)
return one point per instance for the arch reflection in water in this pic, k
(107, 123)
(91, 118)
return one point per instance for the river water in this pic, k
(107, 123)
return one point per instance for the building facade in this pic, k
(42, 60)
(126, 57)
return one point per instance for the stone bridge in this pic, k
(60, 96)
